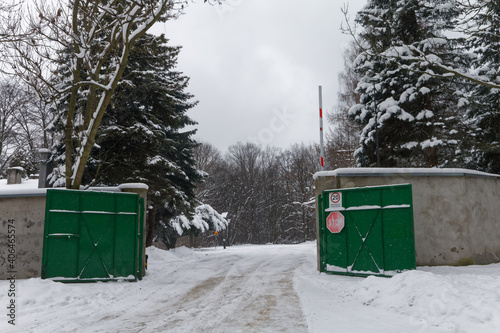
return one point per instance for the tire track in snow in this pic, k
(240, 294)
(228, 291)
(255, 296)
(150, 306)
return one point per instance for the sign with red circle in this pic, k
(335, 200)
(335, 222)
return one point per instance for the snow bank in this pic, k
(454, 302)
(429, 299)
(185, 290)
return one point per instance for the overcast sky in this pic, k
(255, 67)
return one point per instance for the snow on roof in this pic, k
(387, 172)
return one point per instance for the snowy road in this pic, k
(267, 288)
(211, 290)
(235, 293)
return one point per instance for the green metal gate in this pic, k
(366, 231)
(92, 236)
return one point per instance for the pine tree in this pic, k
(413, 117)
(143, 136)
(484, 41)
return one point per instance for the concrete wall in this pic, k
(456, 211)
(28, 215)
(27, 209)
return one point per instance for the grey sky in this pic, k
(255, 67)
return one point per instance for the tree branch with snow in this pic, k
(474, 18)
(89, 41)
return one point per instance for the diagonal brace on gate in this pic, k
(364, 245)
(94, 250)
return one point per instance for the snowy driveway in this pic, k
(240, 289)
(230, 292)
(267, 288)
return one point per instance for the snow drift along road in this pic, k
(268, 288)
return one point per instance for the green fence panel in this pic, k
(92, 236)
(366, 231)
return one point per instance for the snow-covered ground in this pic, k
(268, 288)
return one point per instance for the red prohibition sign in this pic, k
(335, 197)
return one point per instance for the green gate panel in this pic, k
(377, 236)
(92, 236)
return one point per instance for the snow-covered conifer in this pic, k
(143, 136)
(483, 26)
(413, 117)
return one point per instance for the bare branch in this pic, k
(76, 53)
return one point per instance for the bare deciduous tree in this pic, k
(75, 52)
(343, 134)
(267, 192)
(12, 102)
(208, 161)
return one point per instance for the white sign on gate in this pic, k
(335, 200)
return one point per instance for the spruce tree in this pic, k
(484, 109)
(413, 117)
(143, 136)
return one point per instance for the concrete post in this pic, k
(321, 184)
(14, 175)
(45, 168)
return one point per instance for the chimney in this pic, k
(45, 168)
(14, 175)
